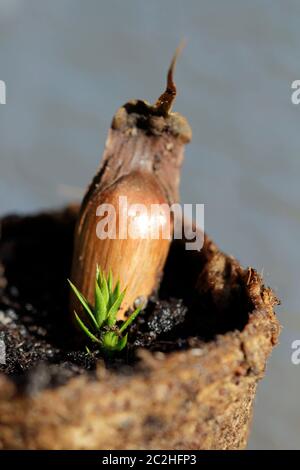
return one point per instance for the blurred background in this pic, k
(68, 65)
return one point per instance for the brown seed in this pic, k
(136, 260)
(135, 165)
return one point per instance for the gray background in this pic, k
(69, 64)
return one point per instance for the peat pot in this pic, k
(191, 392)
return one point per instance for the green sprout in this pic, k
(103, 328)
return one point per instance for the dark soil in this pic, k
(42, 347)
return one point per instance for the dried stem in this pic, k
(166, 100)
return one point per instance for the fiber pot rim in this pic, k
(262, 328)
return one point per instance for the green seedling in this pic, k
(101, 325)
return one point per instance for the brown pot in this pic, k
(198, 398)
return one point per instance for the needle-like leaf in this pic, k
(84, 303)
(115, 294)
(104, 290)
(98, 275)
(128, 322)
(86, 330)
(112, 313)
(100, 307)
(122, 343)
(110, 282)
